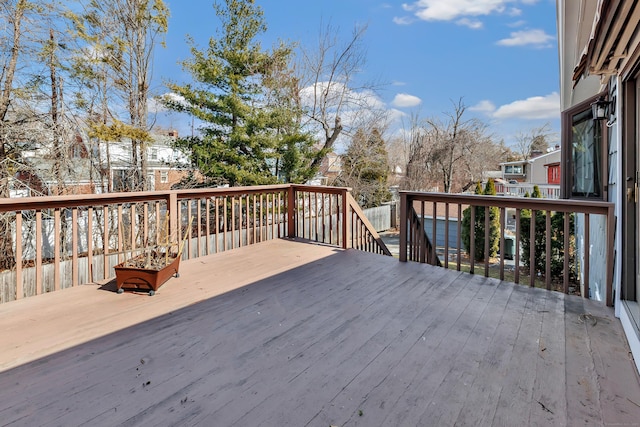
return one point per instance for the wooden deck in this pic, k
(287, 333)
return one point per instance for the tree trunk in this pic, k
(58, 156)
(7, 257)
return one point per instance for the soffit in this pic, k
(614, 26)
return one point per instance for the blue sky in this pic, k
(500, 56)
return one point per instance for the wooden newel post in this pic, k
(403, 227)
(291, 212)
(173, 208)
(611, 229)
(345, 220)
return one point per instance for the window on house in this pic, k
(76, 151)
(154, 154)
(513, 169)
(164, 177)
(582, 153)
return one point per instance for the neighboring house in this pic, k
(166, 166)
(519, 177)
(599, 49)
(85, 169)
(329, 169)
(39, 179)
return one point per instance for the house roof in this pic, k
(534, 160)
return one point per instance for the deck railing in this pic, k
(64, 241)
(545, 237)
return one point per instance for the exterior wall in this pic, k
(575, 26)
(538, 169)
(596, 251)
(440, 228)
(173, 177)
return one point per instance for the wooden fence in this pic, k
(541, 235)
(53, 238)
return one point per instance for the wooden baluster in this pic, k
(423, 248)
(472, 243)
(532, 249)
(566, 252)
(487, 234)
(503, 213)
(57, 238)
(262, 217)
(90, 244)
(207, 230)
(517, 248)
(225, 226)
(434, 234)
(446, 235)
(199, 225)
(38, 244)
(547, 271)
(19, 284)
(75, 236)
(105, 242)
(586, 251)
(459, 240)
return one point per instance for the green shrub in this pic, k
(494, 225)
(558, 254)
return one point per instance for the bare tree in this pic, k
(451, 151)
(534, 139)
(13, 15)
(120, 36)
(335, 103)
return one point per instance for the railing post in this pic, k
(291, 212)
(345, 220)
(172, 207)
(611, 228)
(403, 227)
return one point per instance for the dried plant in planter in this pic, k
(150, 269)
(152, 259)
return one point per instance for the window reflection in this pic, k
(585, 156)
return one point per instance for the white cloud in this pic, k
(404, 100)
(484, 106)
(534, 108)
(448, 10)
(461, 11)
(405, 20)
(514, 11)
(536, 38)
(517, 24)
(395, 116)
(474, 24)
(155, 105)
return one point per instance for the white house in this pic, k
(599, 50)
(519, 177)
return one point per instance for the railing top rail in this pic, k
(557, 205)
(82, 200)
(321, 189)
(229, 191)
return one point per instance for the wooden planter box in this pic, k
(136, 279)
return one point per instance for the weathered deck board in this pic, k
(288, 333)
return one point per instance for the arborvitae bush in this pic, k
(558, 254)
(494, 225)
